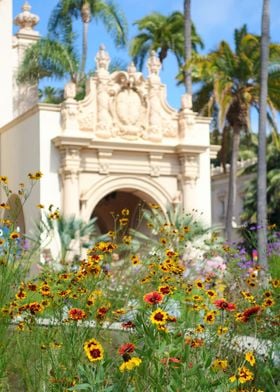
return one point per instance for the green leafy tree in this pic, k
(49, 58)
(86, 10)
(230, 84)
(273, 187)
(162, 34)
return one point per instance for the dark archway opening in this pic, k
(109, 209)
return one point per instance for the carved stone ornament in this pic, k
(102, 60)
(26, 20)
(128, 103)
(154, 66)
(186, 101)
(190, 167)
(124, 104)
(70, 90)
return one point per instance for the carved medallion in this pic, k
(128, 107)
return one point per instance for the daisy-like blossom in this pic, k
(194, 342)
(222, 330)
(159, 317)
(130, 364)
(224, 305)
(209, 317)
(76, 314)
(245, 375)
(14, 235)
(268, 302)
(35, 307)
(165, 290)
(128, 325)
(93, 350)
(45, 290)
(153, 298)
(220, 364)
(249, 356)
(247, 313)
(126, 348)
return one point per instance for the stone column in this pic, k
(70, 169)
(24, 95)
(189, 175)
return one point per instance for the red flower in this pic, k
(166, 361)
(153, 298)
(101, 312)
(249, 312)
(128, 325)
(76, 314)
(223, 304)
(126, 348)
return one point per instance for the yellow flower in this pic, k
(199, 284)
(125, 212)
(268, 302)
(209, 317)
(200, 328)
(159, 317)
(232, 378)
(127, 239)
(93, 350)
(130, 364)
(244, 375)
(220, 364)
(4, 179)
(14, 235)
(123, 221)
(222, 330)
(211, 293)
(249, 356)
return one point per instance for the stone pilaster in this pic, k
(189, 163)
(69, 109)
(70, 169)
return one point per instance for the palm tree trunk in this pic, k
(262, 187)
(232, 183)
(188, 44)
(84, 50)
(86, 18)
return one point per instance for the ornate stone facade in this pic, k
(122, 143)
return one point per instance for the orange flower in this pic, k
(153, 298)
(224, 305)
(126, 348)
(76, 314)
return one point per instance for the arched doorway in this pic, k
(110, 208)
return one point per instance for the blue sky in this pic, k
(214, 19)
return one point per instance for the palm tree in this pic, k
(188, 45)
(162, 34)
(231, 84)
(272, 187)
(85, 10)
(50, 58)
(262, 202)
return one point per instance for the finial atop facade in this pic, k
(26, 20)
(131, 68)
(154, 64)
(102, 59)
